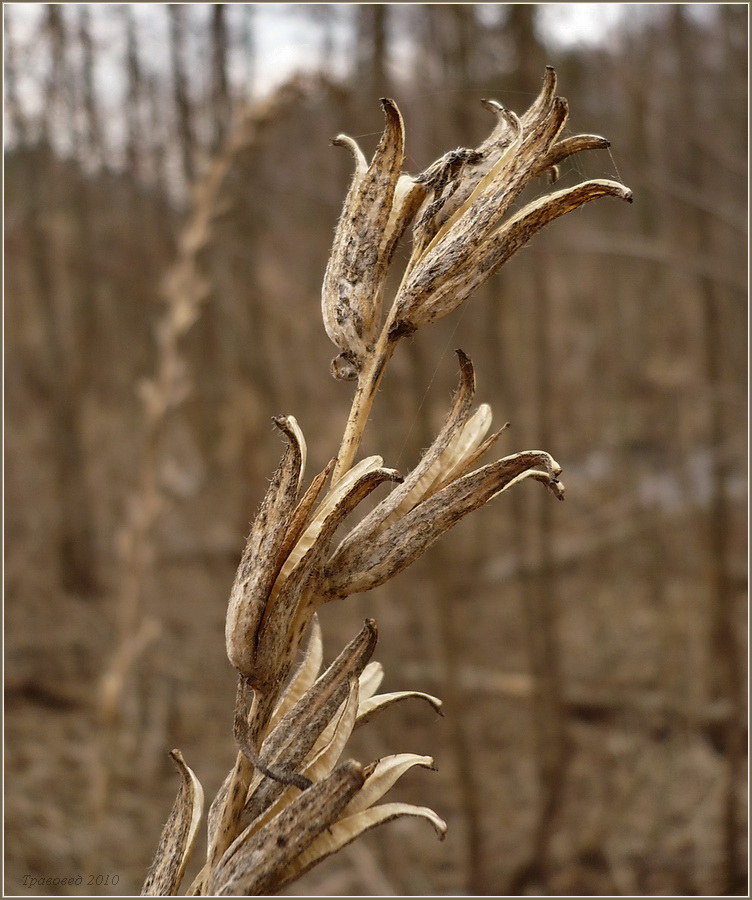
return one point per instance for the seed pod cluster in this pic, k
(288, 802)
(379, 204)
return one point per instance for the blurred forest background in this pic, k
(167, 225)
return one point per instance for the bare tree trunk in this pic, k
(324, 19)
(186, 138)
(249, 51)
(94, 138)
(534, 529)
(134, 137)
(77, 552)
(372, 23)
(12, 99)
(221, 107)
(726, 679)
(550, 713)
(529, 55)
(448, 593)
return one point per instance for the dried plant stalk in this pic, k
(288, 803)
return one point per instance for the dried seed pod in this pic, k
(456, 248)
(350, 827)
(264, 552)
(457, 175)
(500, 245)
(290, 741)
(296, 595)
(360, 566)
(351, 294)
(256, 863)
(178, 835)
(411, 490)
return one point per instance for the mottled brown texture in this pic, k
(360, 566)
(351, 295)
(292, 608)
(262, 558)
(291, 740)
(254, 868)
(178, 835)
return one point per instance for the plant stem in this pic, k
(368, 383)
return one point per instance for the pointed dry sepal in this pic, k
(331, 742)
(178, 836)
(344, 832)
(351, 294)
(408, 197)
(568, 147)
(374, 705)
(381, 776)
(305, 675)
(255, 865)
(541, 106)
(264, 552)
(370, 679)
(226, 811)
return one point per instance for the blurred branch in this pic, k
(693, 197)
(636, 708)
(720, 154)
(631, 247)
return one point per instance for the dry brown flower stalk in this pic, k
(288, 803)
(184, 290)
